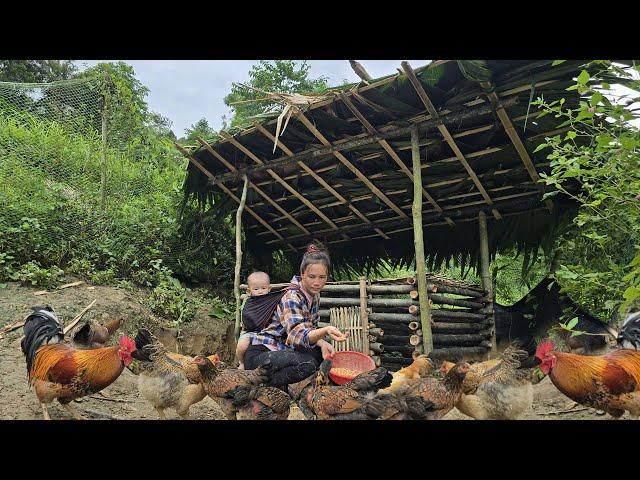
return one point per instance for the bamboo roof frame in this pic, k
(328, 219)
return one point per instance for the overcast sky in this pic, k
(187, 90)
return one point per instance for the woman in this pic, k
(292, 341)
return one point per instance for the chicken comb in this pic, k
(544, 348)
(127, 343)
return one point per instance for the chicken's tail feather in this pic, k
(147, 346)
(42, 327)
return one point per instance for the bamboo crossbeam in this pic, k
(396, 339)
(513, 135)
(459, 339)
(331, 149)
(252, 185)
(403, 191)
(395, 360)
(398, 302)
(193, 160)
(318, 178)
(448, 315)
(425, 143)
(279, 179)
(385, 145)
(442, 327)
(350, 218)
(393, 226)
(399, 348)
(457, 352)
(446, 134)
(461, 220)
(379, 193)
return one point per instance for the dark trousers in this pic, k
(288, 366)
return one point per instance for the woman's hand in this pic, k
(326, 348)
(335, 334)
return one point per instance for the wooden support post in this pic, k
(484, 271)
(364, 314)
(103, 173)
(236, 282)
(425, 311)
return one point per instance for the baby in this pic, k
(259, 284)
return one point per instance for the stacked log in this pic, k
(461, 318)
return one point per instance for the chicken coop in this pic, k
(425, 166)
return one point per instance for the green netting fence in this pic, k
(73, 196)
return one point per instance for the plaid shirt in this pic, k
(291, 322)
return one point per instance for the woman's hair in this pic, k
(316, 253)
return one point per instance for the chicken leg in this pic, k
(45, 411)
(74, 413)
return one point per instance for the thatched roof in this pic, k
(341, 172)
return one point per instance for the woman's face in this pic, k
(314, 278)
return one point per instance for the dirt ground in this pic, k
(204, 335)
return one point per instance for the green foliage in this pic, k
(600, 256)
(33, 274)
(200, 129)
(169, 297)
(50, 212)
(282, 76)
(36, 71)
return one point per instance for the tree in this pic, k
(283, 76)
(600, 256)
(128, 109)
(36, 71)
(200, 129)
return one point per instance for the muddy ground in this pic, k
(204, 335)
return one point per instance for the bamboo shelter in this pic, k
(418, 168)
(383, 318)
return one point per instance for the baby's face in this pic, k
(259, 287)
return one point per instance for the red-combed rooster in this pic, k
(608, 382)
(57, 370)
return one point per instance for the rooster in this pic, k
(94, 335)
(58, 371)
(167, 379)
(229, 387)
(496, 389)
(608, 382)
(420, 367)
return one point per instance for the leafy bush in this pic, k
(33, 274)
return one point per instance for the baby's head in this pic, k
(258, 283)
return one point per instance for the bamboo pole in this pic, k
(364, 315)
(236, 282)
(103, 174)
(416, 211)
(485, 277)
